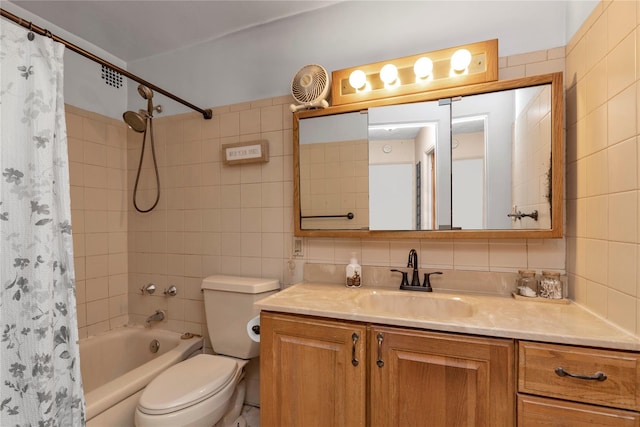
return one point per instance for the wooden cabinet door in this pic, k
(541, 412)
(440, 380)
(313, 372)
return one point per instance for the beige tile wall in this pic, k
(603, 120)
(334, 176)
(212, 218)
(97, 154)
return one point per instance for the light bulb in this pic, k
(423, 67)
(460, 60)
(389, 74)
(357, 79)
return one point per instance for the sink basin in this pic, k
(431, 306)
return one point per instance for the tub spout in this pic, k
(158, 316)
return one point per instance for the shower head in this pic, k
(145, 92)
(136, 121)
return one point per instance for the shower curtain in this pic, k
(39, 357)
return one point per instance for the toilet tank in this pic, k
(228, 305)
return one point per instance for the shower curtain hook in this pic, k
(30, 35)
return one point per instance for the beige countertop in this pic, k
(493, 316)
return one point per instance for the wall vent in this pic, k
(111, 77)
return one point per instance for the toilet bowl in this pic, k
(194, 393)
(209, 390)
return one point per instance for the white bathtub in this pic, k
(118, 365)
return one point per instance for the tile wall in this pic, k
(334, 175)
(602, 121)
(97, 169)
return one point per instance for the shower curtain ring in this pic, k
(30, 35)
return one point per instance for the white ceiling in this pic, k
(134, 29)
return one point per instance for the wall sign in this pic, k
(246, 152)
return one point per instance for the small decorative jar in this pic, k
(550, 285)
(527, 284)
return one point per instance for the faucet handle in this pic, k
(149, 289)
(405, 280)
(427, 282)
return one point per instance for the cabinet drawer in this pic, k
(538, 411)
(538, 367)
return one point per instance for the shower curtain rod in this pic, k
(207, 114)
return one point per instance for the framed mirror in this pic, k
(478, 161)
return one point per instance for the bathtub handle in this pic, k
(171, 292)
(149, 289)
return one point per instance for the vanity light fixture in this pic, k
(457, 66)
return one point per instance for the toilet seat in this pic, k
(188, 383)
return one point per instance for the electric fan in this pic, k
(310, 88)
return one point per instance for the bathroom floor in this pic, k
(252, 415)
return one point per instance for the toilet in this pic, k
(209, 390)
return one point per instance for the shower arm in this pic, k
(206, 113)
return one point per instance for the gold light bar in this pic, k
(412, 74)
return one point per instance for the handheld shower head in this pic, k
(135, 121)
(145, 92)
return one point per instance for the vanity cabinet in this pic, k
(314, 372)
(563, 385)
(421, 378)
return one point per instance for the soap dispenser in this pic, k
(354, 272)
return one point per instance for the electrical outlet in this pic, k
(297, 246)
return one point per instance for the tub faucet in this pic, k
(158, 316)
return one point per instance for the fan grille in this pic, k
(309, 83)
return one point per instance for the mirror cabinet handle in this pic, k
(354, 359)
(598, 376)
(380, 362)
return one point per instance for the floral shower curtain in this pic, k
(39, 357)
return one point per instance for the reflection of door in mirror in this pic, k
(409, 142)
(531, 191)
(498, 108)
(334, 172)
(468, 176)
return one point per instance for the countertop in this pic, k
(493, 316)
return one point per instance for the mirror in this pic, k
(480, 161)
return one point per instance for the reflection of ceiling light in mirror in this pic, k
(386, 148)
(389, 74)
(460, 60)
(357, 79)
(454, 144)
(423, 67)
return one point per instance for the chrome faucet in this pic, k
(158, 316)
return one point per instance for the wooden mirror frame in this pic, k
(557, 163)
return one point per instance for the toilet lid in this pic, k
(187, 383)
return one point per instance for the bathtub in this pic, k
(117, 365)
